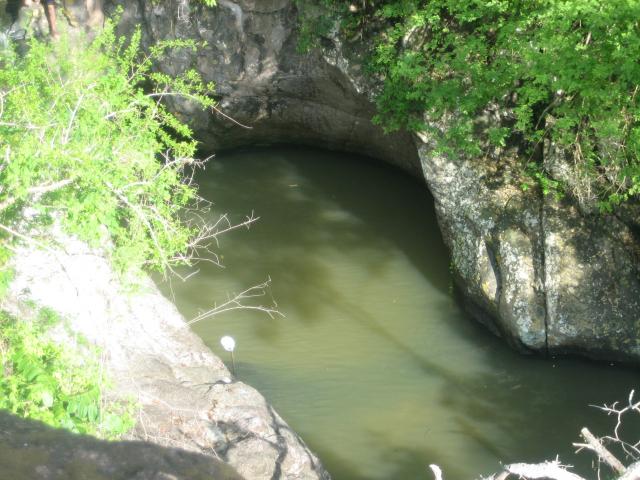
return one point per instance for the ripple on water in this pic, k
(375, 365)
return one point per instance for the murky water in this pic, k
(375, 364)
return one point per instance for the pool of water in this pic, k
(374, 363)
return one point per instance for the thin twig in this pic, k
(236, 303)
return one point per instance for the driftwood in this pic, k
(554, 470)
(543, 471)
(596, 446)
(536, 471)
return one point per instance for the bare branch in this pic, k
(596, 446)
(237, 303)
(213, 107)
(74, 113)
(29, 240)
(633, 450)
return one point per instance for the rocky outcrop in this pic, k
(534, 268)
(186, 397)
(264, 83)
(537, 270)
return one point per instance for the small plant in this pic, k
(314, 23)
(42, 380)
(547, 185)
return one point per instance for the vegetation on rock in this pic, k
(88, 145)
(84, 143)
(42, 380)
(562, 75)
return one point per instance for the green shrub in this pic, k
(88, 143)
(41, 380)
(85, 137)
(564, 71)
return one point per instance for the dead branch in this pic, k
(237, 302)
(192, 97)
(631, 449)
(556, 471)
(532, 471)
(596, 446)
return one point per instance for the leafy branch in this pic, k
(88, 142)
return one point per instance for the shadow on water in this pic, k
(401, 463)
(365, 219)
(538, 406)
(394, 394)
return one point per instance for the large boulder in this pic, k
(186, 397)
(536, 269)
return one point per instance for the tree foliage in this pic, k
(88, 144)
(86, 138)
(565, 72)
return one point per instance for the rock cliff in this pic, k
(185, 395)
(539, 271)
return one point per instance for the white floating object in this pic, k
(228, 343)
(437, 471)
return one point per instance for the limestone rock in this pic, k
(187, 397)
(548, 276)
(264, 83)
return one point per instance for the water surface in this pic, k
(375, 364)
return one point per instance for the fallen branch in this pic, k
(536, 471)
(596, 446)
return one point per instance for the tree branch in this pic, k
(39, 190)
(236, 303)
(596, 446)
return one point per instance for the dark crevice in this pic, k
(495, 267)
(543, 273)
(280, 444)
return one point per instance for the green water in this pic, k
(375, 365)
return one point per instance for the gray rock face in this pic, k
(264, 83)
(494, 232)
(537, 271)
(593, 291)
(186, 396)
